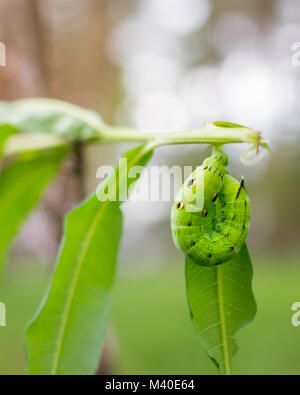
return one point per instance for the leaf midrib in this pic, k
(220, 291)
(62, 330)
(224, 339)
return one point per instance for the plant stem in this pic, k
(209, 134)
(217, 133)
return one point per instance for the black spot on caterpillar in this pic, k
(214, 198)
(242, 185)
(192, 183)
(180, 205)
(210, 228)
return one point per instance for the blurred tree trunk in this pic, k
(26, 75)
(47, 56)
(18, 24)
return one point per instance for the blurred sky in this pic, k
(170, 65)
(186, 63)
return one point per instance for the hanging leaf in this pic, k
(21, 185)
(221, 301)
(68, 333)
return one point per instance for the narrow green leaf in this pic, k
(221, 124)
(21, 185)
(221, 301)
(69, 331)
(52, 116)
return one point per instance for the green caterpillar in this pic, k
(211, 214)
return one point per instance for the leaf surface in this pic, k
(6, 131)
(69, 331)
(51, 116)
(21, 185)
(221, 301)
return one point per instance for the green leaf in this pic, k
(53, 117)
(221, 124)
(31, 142)
(6, 131)
(69, 331)
(221, 301)
(21, 185)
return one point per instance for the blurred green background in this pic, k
(150, 331)
(165, 65)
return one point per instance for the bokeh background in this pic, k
(168, 65)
